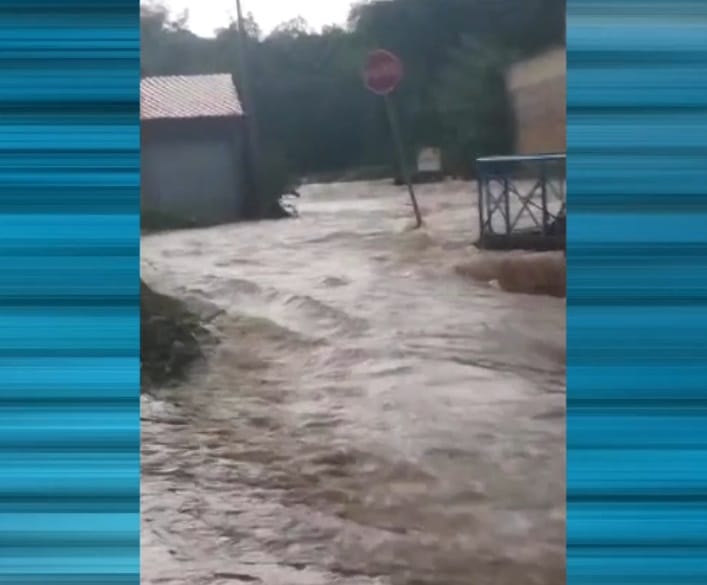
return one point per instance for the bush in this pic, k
(274, 179)
(171, 338)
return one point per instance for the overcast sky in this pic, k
(207, 15)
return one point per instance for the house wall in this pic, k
(538, 89)
(195, 178)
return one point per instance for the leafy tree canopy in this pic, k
(313, 114)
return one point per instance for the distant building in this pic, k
(193, 164)
(538, 89)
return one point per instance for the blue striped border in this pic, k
(69, 292)
(637, 292)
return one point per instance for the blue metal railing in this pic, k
(521, 195)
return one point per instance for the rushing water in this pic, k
(369, 415)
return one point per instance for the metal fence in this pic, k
(522, 201)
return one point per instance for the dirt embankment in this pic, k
(171, 338)
(540, 273)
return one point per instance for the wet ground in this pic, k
(369, 415)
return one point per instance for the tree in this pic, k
(292, 28)
(314, 114)
(474, 106)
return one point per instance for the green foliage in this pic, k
(274, 178)
(474, 106)
(171, 338)
(313, 114)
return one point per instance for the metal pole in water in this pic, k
(397, 139)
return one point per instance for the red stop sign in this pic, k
(383, 72)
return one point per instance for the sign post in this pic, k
(382, 75)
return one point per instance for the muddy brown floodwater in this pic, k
(369, 415)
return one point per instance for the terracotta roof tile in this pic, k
(192, 96)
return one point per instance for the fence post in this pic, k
(507, 205)
(543, 194)
(480, 201)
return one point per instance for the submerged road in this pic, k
(368, 417)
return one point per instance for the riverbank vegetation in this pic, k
(171, 338)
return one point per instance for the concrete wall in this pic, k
(538, 88)
(193, 179)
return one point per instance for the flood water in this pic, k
(369, 416)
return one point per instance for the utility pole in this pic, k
(248, 103)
